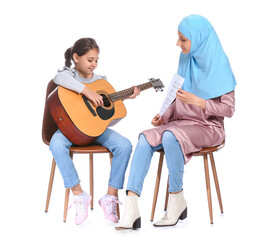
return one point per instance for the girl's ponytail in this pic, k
(81, 47)
(68, 57)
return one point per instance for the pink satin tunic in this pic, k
(193, 127)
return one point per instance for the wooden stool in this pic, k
(203, 152)
(92, 149)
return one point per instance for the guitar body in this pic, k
(76, 116)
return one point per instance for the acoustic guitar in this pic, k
(79, 120)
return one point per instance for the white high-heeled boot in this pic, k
(131, 215)
(177, 209)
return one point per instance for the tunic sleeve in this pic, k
(222, 106)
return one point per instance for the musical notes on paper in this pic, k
(176, 83)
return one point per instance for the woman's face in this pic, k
(184, 43)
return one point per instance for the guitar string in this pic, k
(124, 93)
(127, 92)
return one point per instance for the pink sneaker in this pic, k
(82, 203)
(109, 204)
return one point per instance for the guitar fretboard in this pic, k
(128, 92)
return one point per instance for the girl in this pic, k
(193, 121)
(85, 54)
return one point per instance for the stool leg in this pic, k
(167, 196)
(216, 181)
(91, 178)
(158, 178)
(67, 193)
(208, 187)
(50, 184)
(117, 208)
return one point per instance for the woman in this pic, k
(193, 121)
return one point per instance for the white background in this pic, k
(138, 41)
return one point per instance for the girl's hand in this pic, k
(190, 98)
(157, 121)
(136, 93)
(93, 96)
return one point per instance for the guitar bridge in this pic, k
(89, 105)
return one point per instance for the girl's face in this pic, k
(86, 64)
(184, 43)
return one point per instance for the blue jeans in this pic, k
(142, 158)
(120, 147)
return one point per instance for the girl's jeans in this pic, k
(120, 147)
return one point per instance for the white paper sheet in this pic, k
(176, 83)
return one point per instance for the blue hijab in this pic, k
(206, 68)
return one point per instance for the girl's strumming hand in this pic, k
(93, 96)
(190, 98)
(157, 121)
(136, 93)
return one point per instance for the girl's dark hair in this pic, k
(81, 47)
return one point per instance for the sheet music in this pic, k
(176, 83)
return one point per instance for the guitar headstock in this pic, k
(157, 84)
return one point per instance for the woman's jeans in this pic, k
(120, 147)
(142, 158)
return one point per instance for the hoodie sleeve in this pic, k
(67, 78)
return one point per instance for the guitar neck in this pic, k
(128, 92)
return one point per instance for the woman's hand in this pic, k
(157, 121)
(136, 93)
(93, 96)
(190, 98)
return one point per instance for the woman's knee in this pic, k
(168, 138)
(143, 144)
(142, 139)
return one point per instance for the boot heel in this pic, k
(137, 223)
(183, 214)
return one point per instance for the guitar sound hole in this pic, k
(106, 100)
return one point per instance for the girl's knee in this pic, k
(58, 146)
(128, 146)
(125, 146)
